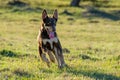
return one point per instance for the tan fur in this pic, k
(50, 41)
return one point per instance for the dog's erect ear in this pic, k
(44, 14)
(55, 14)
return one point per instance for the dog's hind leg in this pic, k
(43, 57)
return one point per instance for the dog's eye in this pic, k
(48, 24)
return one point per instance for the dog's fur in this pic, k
(48, 40)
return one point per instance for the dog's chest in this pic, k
(50, 41)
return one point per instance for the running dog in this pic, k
(48, 40)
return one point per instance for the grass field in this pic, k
(90, 37)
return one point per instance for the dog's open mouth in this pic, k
(51, 35)
(50, 32)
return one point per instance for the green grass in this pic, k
(90, 38)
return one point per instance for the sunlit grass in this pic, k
(92, 42)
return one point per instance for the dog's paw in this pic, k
(62, 66)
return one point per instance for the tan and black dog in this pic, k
(48, 40)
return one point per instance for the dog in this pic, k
(48, 42)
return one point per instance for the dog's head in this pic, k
(49, 23)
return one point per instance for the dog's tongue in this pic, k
(51, 35)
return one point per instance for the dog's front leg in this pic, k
(51, 56)
(61, 57)
(43, 56)
(60, 54)
(55, 51)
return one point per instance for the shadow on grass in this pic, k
(92, 74)
(88, 73)
(27, 9)
(45, 70)
(16, 3)
(22, 73)
(66, 12)
(87, 57)
(95, 12)
(8, 53)
(5, 69)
